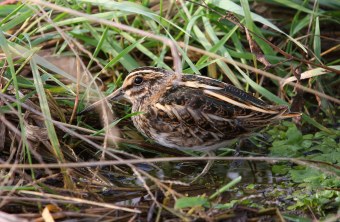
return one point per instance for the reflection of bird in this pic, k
(192, 111)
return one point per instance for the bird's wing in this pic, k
(209, 105)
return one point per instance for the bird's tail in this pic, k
(283, 112)
(290, 115)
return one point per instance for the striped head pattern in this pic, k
(145, 82)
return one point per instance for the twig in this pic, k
(78, 200)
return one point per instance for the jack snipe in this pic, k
(191, 111)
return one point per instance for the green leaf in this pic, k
(226, 187)
(285, 150)
(294, 135)
(280, 169)
(191, 202)
(306, 175)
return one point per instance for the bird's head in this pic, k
(141, 83)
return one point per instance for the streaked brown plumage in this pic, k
(192, 111)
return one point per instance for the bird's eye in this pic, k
(138, 80)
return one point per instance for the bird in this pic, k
(192, 112)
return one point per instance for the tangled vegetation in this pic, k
(57, 57)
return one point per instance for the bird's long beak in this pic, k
(116, 95)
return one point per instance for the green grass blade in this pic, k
(317, 40)
(6, 49)
(233, 7)
(226, 187)
(46, 111)
(123, 53)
